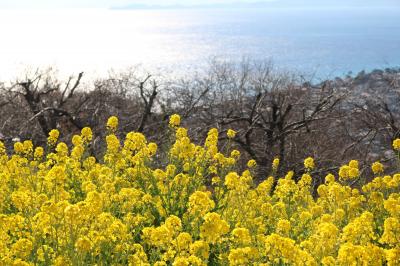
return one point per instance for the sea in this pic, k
(319, 42)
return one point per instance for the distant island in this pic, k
(269, 4)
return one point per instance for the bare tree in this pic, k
(44, 101)
(276, 114)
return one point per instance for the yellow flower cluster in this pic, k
(309, 163)
(396, 144)
(377, 168)
(275, 164)
(350, 171)
(61, 206)
(112, 123)
(53, 137)
(231, 133)
(175, 120)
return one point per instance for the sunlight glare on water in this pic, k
(91, 40)
(330, 42)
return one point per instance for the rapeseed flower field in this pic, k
(61, 206)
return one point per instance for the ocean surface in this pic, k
(324, 42)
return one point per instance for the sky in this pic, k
(27, 4)
(106, 3)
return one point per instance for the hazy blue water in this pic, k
(329, 42)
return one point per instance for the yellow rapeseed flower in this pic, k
(187, 205)
(309, 163)
(377, 168)
(235, 154)
(83, 244)
(112, 123)
(353, 164)
(38, 154)
(18, 147)
(175, 120)
(396, 144)
(53, 136)
(213, 228)
(231, 133)
(251, 163)
(275, 164)
(87, 134)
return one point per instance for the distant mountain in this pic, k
(275, 4)
(334, 3)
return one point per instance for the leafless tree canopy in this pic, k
(275, 114)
